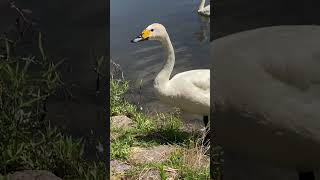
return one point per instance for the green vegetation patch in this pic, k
(28, 141)
(151, 131)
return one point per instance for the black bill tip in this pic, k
(138, 39)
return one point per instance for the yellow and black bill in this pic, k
(142, 37)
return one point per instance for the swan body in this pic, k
(267, 94)
(204, 10)
(189, 90)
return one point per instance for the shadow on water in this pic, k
(77, 32)
(189, 34)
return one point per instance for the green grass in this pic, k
(28, 141)
(149, 131)
(178, 162)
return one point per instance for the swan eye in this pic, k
(152, 30)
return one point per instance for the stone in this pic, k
(150, 174)
(118, 167)
(121, 122)
(150, 155)
(33, 175)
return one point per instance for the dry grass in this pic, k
(195, 159)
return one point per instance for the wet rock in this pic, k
(150, 155)
(33, 175)
(121, 122)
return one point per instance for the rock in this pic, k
(121, 122)
(150, 174)
(118, 177)
(114, 136)
(118, 167)
(150, 155)
(33, 175)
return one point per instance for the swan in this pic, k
(205, 11)
(189, 90)
(267, 95)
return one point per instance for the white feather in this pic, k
(204, 10)
(189, 90)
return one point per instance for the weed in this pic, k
(27, 139)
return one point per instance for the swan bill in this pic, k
(142, 37)
(138, 39)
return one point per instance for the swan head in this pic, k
(154, 31)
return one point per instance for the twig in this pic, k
(24, 18)
(12, 5)
(6, 39)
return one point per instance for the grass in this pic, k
(184, 162)
(28, 140)
(188, 159)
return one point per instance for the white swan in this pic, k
(267, 109)
(189, 90)
(205, 11)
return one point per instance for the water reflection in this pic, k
(204, 32)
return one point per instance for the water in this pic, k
(189, 34)
(234, 16)
(76, 31)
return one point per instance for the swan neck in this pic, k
(169, 60)
(201, 6)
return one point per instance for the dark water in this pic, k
(76, 31)
(231, 16)
(189, 34)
